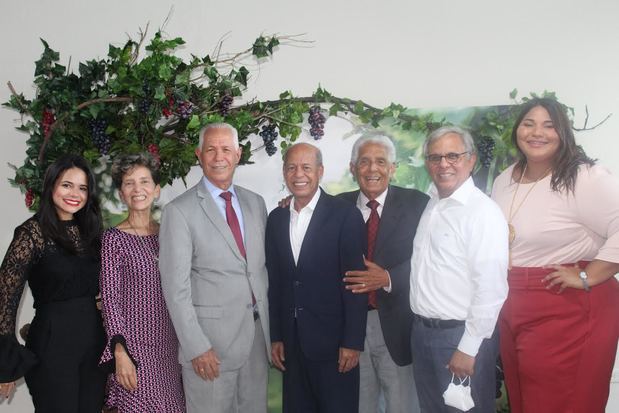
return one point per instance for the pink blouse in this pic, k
(559, 227)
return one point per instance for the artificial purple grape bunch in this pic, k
(100, 138)
(317, 122)
(145, 103)
(485, 150)
(225, 104)
(269, 135)
(184, 109)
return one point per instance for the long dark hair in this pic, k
(88, 218)
(569, 156)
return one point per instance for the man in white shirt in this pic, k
(394, 212)
(458, 277)
(318, 326)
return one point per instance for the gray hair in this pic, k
(126, 163)
(220, 125)
(316, 151)
(466, 137)
(382, 140)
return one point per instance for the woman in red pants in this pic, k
(559, 326)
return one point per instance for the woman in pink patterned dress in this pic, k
(142, 346)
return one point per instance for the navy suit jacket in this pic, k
(327, 315)
(393, 251)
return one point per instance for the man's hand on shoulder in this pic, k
(348, 359)
(461, 364)
(373, 278)
(206, 365)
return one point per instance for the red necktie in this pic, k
(372, 227)
(233, 222)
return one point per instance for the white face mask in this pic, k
(459, 395)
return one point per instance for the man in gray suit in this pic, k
(391, 214)
(214, 282)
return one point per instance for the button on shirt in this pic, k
(221, 203)
(299, 221)
(459, 263)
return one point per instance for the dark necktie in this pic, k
(372, 227)
(233, 222)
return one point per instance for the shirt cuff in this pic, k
(469, 345)
(388, 288)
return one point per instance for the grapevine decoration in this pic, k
(156, 102)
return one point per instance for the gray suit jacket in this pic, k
(205, 279)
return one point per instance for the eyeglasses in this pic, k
(451, 158)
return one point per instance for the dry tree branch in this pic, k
(18, 98)
(584, 126)
(167, 19)
(217, 51)
(136, 52)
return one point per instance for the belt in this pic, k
(530, 278)
(438, 323)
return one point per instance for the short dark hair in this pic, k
(126, 163)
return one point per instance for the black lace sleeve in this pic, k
(15, 359)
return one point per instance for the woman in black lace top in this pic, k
(57, 251)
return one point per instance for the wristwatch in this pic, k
(583, 278)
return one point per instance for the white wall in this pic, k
(420, 54)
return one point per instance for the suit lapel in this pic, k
(249, 220)
(214, 216)
(388, 221)
(284, 237)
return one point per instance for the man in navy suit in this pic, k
(385, 364)
(317, 325)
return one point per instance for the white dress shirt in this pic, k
(299, 221)
(362, 205)
(459, 263)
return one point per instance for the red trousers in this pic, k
(558, 350)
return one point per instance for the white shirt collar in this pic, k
(215, 190)
(460, 195)
(362, 200)
(311, 205)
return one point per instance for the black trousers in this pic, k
(316, 386)
(68, 339)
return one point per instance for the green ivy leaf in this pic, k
(94, 110)
(241, 75)
(160, 92)
(259, 48)
(211, 73)
(194, 123)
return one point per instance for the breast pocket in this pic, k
(208, 311)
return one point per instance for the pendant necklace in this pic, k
(513, 211)
(142, 242)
